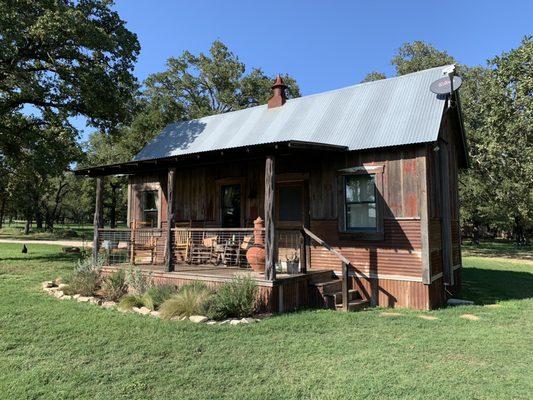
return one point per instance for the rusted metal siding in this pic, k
(394, 293)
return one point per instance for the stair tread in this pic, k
(325, 283)
(354, 304)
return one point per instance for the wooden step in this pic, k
(354, 305)
(329, 287)
(353, 294)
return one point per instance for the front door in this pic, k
(230, 207)
(291, 210)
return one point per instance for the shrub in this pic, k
(137, 282)
(234, 299)
(129, 301)
(157, 295)
(192, 299)
(85, 279)
(85, 283)
(114, 286)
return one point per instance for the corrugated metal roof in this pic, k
(390, 112)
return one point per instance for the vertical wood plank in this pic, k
(98, 221)
(170, 217)
(422, 174)
(446, 213)
(270, 232)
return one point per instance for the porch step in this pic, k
(354, 305)
(352, 295)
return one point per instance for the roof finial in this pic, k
(278, 93)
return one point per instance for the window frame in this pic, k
(370, 234)
(157, 208)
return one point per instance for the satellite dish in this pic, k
(443, 85)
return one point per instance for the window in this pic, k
(230, 198)
(360, 211)
(150, 212)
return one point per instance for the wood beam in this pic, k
(446, 231)
(98, 221)
(270, 231)
(423, 176)
(170, 217)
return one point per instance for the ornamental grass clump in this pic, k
(129, 301)
(192, 299)
(234, 299)
(157, 295)
(114, 286)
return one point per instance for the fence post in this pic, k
(98, 221)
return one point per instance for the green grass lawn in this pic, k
(70, 231)
(67, 350)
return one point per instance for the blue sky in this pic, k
(323, 44)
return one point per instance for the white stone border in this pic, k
(55, 290)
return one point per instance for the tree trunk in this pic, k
(2, 211)
(38, 218)
(27, 226)
(519, 235)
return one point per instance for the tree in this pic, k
(501, 139)
(374, 76)
(417, 56)
(67, 57)
(194, 86)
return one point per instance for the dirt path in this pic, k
(74, 243)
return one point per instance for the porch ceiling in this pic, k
(209, 157)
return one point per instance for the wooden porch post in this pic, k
(98, 221)
(270, 232)
(170, 217)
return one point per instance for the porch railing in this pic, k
(194, 246)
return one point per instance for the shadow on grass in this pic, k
(53, 257)
(485, 286)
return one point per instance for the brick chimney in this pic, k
(278, 93)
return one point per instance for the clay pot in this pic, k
(256, 257)
(256, 254)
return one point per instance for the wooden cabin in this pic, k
(351, 194)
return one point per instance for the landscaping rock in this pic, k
(83, 299)
(143, 310)
(95, 300)
(108, 304)
(248, 320)
(226, 321)
(66, 297)
(470, 317)
(197, 319)
(62, 286)
(155, 314)
(235, 322)
(183, 318)
(58, 294)
(76, 296)
(48, 284)
(427, 317)
(211, 322)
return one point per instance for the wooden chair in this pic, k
(247, 242)
(182, 244)
(143, 244)
(204, 250)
